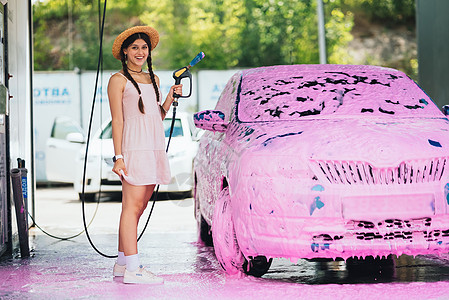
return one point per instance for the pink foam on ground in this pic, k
(72, 270)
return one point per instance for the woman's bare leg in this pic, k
(134, 201)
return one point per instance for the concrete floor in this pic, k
(73, 270)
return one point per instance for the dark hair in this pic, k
(125, 45)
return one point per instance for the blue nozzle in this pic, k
(197, 59)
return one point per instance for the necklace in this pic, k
(135, 71)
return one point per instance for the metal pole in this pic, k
(32, 165)
(80, 91)
(69, 29)
(321, 32)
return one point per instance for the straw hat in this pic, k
(150, 31)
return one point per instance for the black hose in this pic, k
(175, 104)
(99, 67)
(96, 208)
(100, 54)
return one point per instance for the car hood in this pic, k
(99, 147)
(379, 142)
(105, 147)
(181, 145)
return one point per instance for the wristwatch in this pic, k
(116, 157)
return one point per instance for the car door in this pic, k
(215, 149)
(62, 147)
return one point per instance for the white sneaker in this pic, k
(141, 275)
(119, 270)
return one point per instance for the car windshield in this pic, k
(307, 91)
(62, 126)
(177, 129)
(107, 132)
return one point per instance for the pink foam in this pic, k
(314, 150)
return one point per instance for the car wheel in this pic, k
(179, 195)
(88, 197)
(204, 232)
(226, 248)
(371, 265)
(257, 266)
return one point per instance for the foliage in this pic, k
(248, 33)
(43, 58)
(390, 12)
(232, 33)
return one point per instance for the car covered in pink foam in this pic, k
(321, 161)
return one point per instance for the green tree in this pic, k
(389, 12)
(170, 17)
(280, 32)
(232, 33)
(217, 30)
(44, 58)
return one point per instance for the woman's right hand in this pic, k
(119, 167)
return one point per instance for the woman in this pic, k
(139, 141)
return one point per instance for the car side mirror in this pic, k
(445, 110)
(212, 120)
(75, 137)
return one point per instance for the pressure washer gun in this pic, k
(178, 75)
(184, 72)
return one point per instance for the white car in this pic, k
(62, 147)
(99, 175)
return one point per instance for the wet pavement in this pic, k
(73, 270)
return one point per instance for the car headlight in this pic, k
(108, 161)
(176, 154)
(80, 156)
(91, 158)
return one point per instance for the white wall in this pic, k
(69, 93)
(19, 84)
(211, 83)
(54, 94)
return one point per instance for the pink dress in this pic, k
(143, 142)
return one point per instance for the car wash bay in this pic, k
(71, 269)
(169, 247)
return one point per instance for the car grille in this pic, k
(407, 172)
